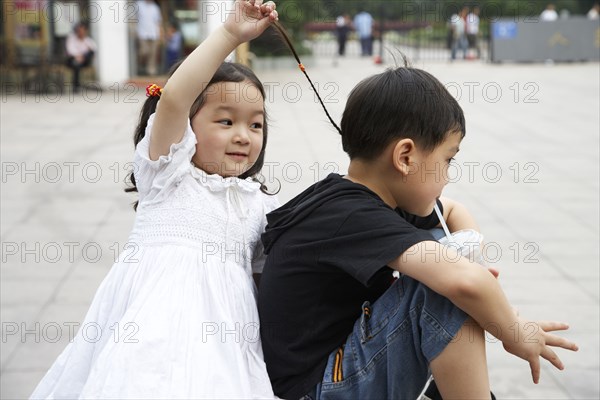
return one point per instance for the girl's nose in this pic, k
(242, 136)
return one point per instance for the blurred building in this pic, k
(33, 33)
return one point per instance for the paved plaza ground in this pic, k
(528, 169)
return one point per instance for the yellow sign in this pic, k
(558, 38)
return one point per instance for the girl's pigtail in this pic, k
(287, 40)
(148, 109)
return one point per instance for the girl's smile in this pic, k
(229, 128)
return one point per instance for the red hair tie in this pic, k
(153, 90)
(301, 66)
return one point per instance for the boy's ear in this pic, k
(403, 154)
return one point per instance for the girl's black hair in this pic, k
(402, 102)
(227, 72)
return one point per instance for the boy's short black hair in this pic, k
(399, 103)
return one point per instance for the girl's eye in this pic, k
(225, 122)
(256, 125)
(450, 160)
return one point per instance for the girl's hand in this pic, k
(250, 19)
(531, 340)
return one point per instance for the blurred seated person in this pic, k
(80, 51)
(174, 47)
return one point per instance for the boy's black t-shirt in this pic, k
(327, 254)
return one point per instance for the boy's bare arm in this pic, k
(474, 290)
(457, 216)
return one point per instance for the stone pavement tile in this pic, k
(590, 286)
(26, 291)
(50, 334)
(20, 273)
(18, 385)
(576, 266)
(580, 383)
(28, 354)
(14, 317)
(525, 271)
(544, 291)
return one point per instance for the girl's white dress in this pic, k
(177, 312)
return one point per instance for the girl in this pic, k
(178, 317)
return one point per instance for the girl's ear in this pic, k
(403, 155)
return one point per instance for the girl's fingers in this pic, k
(267, 8)
(268, 5)
(265, 22)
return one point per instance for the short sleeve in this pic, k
(154, 177)
(369, 239)
(259, 257)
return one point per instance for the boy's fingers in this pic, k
(549, 326)
(494, 272)
(557, 341)
(535, 369)
(551, 356)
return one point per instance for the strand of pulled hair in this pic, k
(287, 40)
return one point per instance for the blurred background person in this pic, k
(149, 34)
(343, 26)
(64, 20)
(80, 50)
(594, 12)
(174, 46)
(473, 30)
(363, 23)
(459, 37)
(549, 14)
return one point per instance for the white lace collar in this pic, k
(217, 183)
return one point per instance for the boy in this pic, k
(333, 324)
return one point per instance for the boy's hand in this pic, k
(250, 19)
(494, 272)
(531, 340)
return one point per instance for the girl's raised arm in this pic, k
(247, 22)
